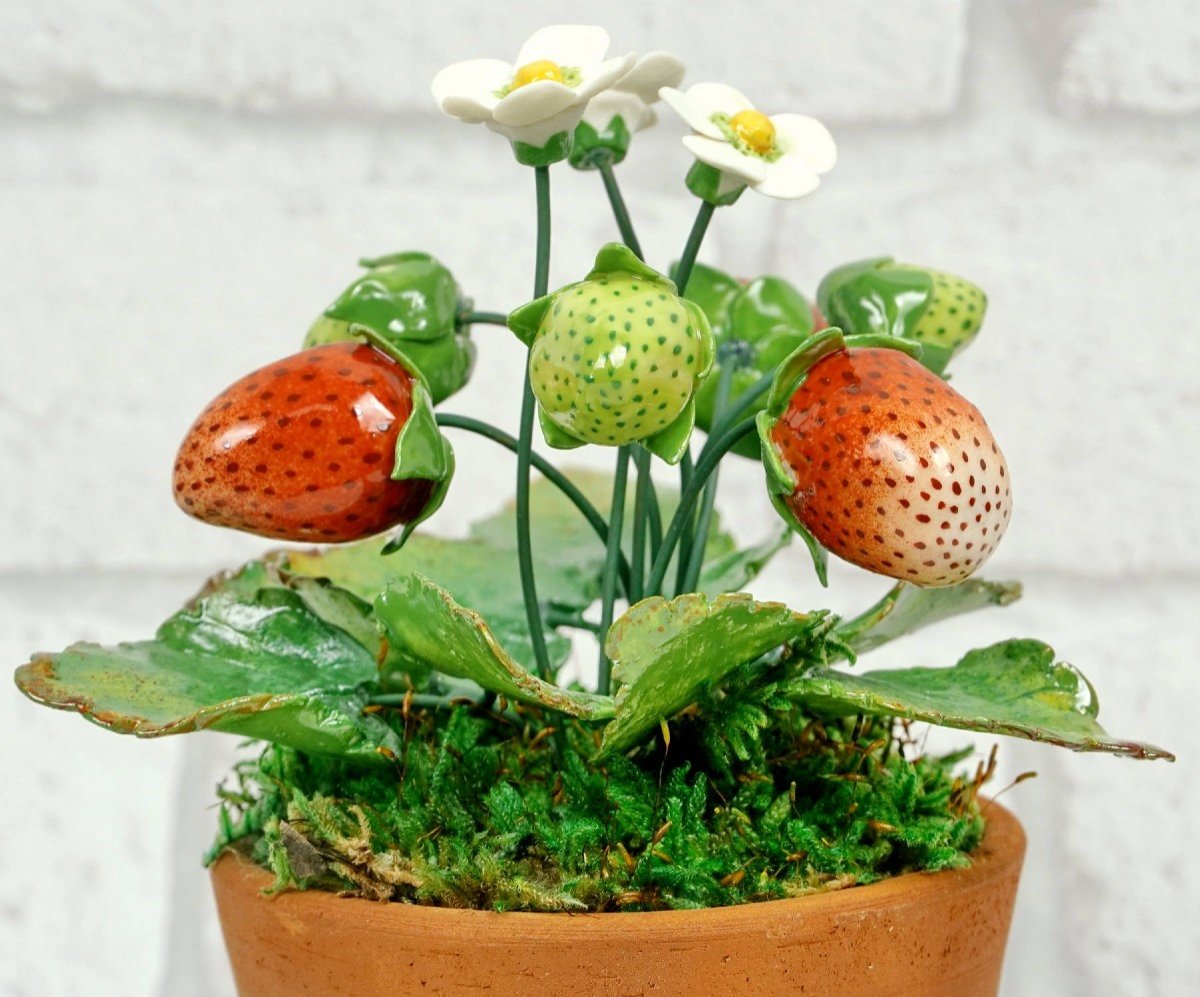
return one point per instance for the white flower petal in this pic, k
(610, 104)
(594, 79)
(726, 158)
(679, 102)
(652, 72)
(800, 135)
(576, 45)
(466, 90)
(540, 132)
(534, 102)
(717, 98)
(788, 178)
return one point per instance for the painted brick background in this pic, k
(182, 188)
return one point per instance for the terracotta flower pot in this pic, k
(922, 934)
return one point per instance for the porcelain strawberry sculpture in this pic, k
(942, 312)
(332, 444)
(617, 357)
(876, 459)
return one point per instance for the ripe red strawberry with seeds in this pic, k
(306, 449)
(887, 466)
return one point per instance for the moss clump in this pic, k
(751, 800)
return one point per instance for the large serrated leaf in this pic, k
(1014, 687)
(664, 652)
(907, 608)
(422, 621)
(481, 570)
(249, 657)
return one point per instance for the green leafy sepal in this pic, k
(711, 185)
(411, 301)
(556, 149)
(594, 147)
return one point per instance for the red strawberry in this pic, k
(895, 471)
(303, 449)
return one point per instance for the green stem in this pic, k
(700, 538)
(691, 249)
(616, 518)
(561, 618)
(482, 318)
(541, 282)
(746, 401)
(619, 209)
(687, 501)
(643, 496)
(687, 468)
(653, 515)
(547, 470)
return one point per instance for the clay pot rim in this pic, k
(1002, 849)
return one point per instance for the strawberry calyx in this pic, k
(791, 374)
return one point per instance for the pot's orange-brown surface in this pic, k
(928, 934)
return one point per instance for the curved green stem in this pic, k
(644, 498)
(687, 501)
(691, 249)
(619, 209)
(695, 560)
(745, 402)
(609, 583)
(561, 618)
(547, 470)
(687, 468)
(541, 282)
(482, 318)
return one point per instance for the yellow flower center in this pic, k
(755, 129)
(542, 69)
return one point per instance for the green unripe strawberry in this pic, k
(616, 358)
(940, 311)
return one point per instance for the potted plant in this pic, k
(736, 803)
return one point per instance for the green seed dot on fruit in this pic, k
(676, 350)
(649, 321)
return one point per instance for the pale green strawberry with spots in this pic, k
(617, 358)
(942, 312)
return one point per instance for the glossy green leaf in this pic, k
(907, 608)
(1014, 688)
(424, 623)
(713, 290)
(664, 652)
(249, 657)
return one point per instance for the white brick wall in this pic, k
(185, 186)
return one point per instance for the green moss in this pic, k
(751, 800)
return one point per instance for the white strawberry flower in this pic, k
(632, 97)
(539, 96)
(781, 155)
